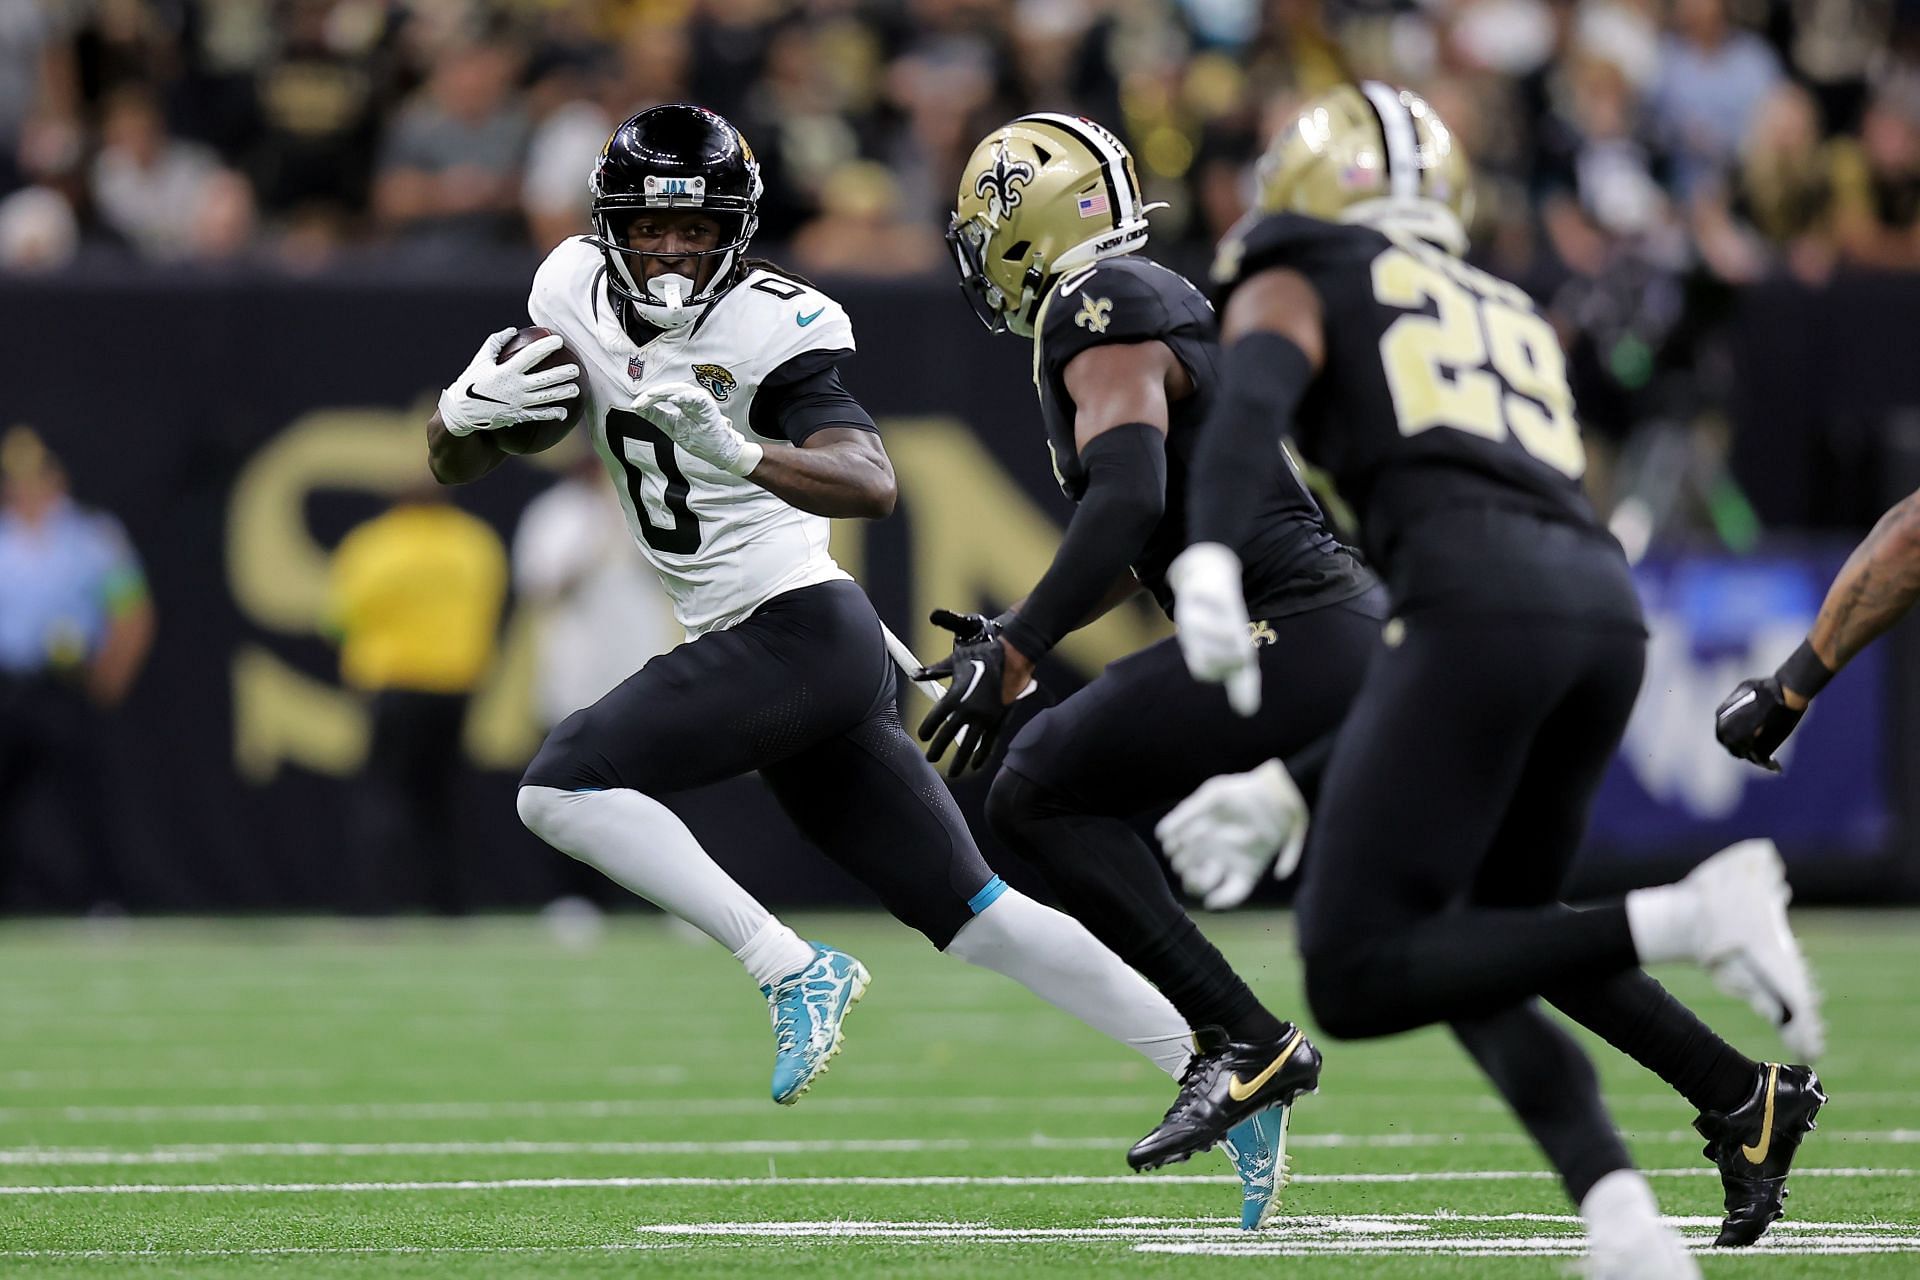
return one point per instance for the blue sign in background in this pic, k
(1673, 791)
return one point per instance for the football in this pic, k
(533, 437)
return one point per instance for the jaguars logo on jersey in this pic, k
(717, 380)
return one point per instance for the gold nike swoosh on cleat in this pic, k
(1241, 1092)
(1758, 1154)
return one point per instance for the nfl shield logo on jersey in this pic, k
(636, 368)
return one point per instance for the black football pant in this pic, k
(802, 691)
(1456, 799)
(1141, 737)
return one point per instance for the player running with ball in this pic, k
(711, 394)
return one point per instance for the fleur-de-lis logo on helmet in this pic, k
(1000, 185)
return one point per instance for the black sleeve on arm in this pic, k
(803, 396)
(1264, 376)
(1125, 496)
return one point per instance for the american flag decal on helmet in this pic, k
(1093, 206)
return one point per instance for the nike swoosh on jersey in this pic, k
(809, 318)
(477, 396)
(1757, 1154)
(1071, 283)
(1241, 1092)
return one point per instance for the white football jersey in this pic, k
(722, 545)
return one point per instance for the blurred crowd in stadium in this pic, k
(1638, 159)
(1613, 136)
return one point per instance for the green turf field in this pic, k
(305, 1099)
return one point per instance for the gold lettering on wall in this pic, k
(977, 539)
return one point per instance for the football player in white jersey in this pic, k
(712, 398)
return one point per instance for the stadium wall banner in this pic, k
(240, 426)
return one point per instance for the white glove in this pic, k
(491, 396)
(693, 421)
(1220, 838)
(1211, 614)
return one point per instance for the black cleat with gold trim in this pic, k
(1226, 1082)
(1754, 1144)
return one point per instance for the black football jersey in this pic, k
(1443, 401)
(1292, 562)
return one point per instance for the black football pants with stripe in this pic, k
(802, 691)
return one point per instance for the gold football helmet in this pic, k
(1375, 154)
(1040, 196)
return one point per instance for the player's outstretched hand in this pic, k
(1221, 838)
(493, 394)
(1211, 614)
(1755, 720)
(969, 714)
(691, 419)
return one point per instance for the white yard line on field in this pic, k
(205, 1152)
(241, 1113)
(210, 1152)
(1380, 1235)
(851, 1180)
(592, 1109)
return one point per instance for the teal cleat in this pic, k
(807, 1008)
(1258, 1148)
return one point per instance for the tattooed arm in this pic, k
(1877, 585)
(1879, 582)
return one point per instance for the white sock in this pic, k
(774, 953)
(1664, 922)
(1053, 956)
(1623, 1199)
(640, 843)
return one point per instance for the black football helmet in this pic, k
(677, 156)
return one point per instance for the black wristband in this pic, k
(1804, 673)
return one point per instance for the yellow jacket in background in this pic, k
(415, 598)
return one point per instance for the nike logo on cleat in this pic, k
(1241, 1092)
(1757, 1154)
(809, 318)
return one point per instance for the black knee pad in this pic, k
(569, 758)
(1349, 994)
(1014, 803)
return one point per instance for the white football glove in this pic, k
(491, 395)
(1221, 838)
(1211, 614)
(693, 421)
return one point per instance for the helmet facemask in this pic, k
(674, 159)
(994, 306)
(671, 299)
